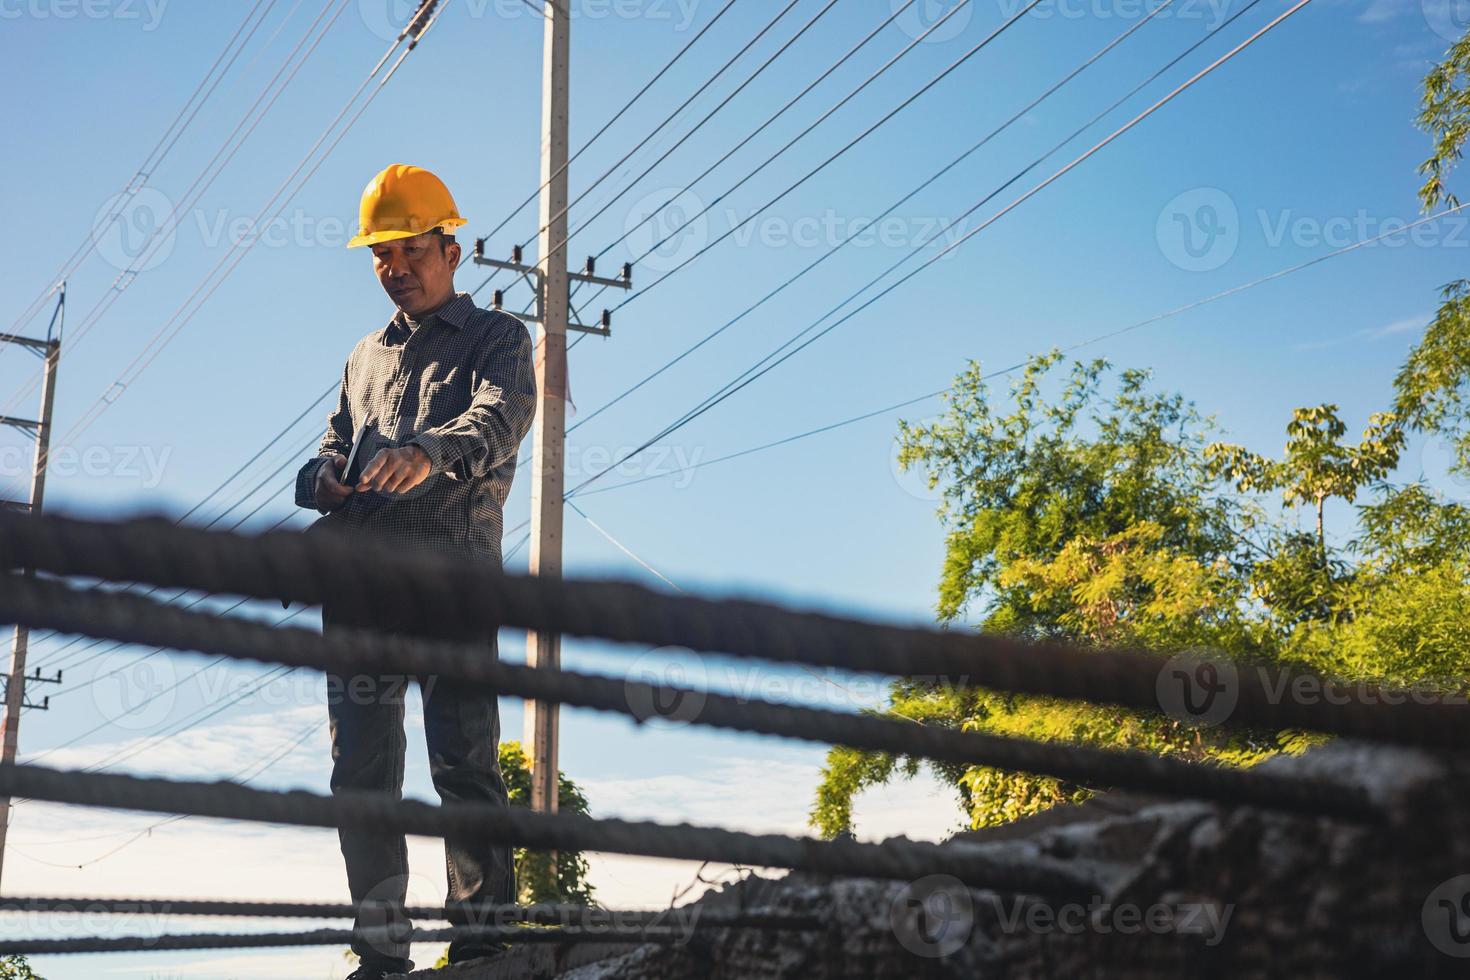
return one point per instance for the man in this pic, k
(440, 398)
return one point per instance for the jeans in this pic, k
(462, 727)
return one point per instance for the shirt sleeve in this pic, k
(337, 440)
(489, 432)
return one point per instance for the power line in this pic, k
(243, 129)
(1099, 338)
(245, 776)
(670, 117)
(161, 340)
(629, 185)
(144, 171)
(779, 112)
(172, 600)
(831, 159)
(646, 566)
(221, 516)
(732, 387)
(975, 147)
(607, 125)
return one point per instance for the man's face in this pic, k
(418, 272)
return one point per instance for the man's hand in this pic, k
(330, 491)
(396, 470)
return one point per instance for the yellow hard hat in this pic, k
(401, 202)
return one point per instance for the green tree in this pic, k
(17, 968)
(535, 881)
(1318, 465)
(1100, 519)
(1092, 517)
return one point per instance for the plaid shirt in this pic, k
(460, 385)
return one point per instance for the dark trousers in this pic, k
(462, 727)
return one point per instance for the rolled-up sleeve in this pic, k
(502, 407)
(337, 440)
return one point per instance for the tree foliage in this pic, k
(1094, 510)
(17, 968)
(535, 881)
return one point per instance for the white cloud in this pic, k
(1408, 324)
(1379, 11)
(220, 859)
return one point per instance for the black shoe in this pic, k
(478, 951)
(380, 969)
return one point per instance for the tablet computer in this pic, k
(352, 472)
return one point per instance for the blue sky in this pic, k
(1303, 144)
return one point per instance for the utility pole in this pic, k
(40, 430)
(550, 282)
(548, 476)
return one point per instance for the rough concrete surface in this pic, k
(1183, 889)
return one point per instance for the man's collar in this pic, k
(456, 313)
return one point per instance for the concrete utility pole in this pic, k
(548, 476)
(550, 281)
(40, 430)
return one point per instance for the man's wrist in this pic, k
(434, 450)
